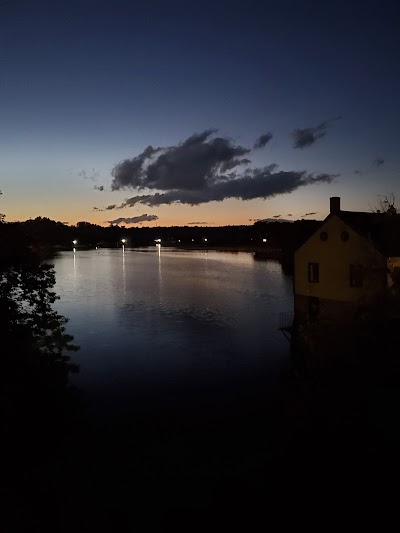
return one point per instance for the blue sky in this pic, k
(87, 84)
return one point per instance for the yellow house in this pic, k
(347, 268)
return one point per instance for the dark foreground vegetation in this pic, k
(37, 401)
(318, 452)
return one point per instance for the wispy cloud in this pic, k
(269, 220)
(108, 208)
(378, 162)
(133, 220)
(91, 174)
(308, 214)
(262, 140)
(197, 223)
(303, 137)
(196, 172)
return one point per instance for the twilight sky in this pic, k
(215, 112)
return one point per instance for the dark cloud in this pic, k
(203, 169)
(263, 140)
(289, 215)
(357, 172)
(277, 216)
(304, 137)
(197, 223)
(257, 183)
(378, 162)
(308, 214)
(130, 172)
(99, 187)
(139, 199)
(234, 163)
(134, 220)
(192, 165)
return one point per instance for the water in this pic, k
(155, 321)
(191, 422)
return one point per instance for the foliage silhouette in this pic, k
(37, 396)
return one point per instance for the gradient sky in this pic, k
(87, 84)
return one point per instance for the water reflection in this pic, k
(171, 316)
(74, 271)
(123, 276)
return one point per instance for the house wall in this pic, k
(393, 263)
(334, 257)
(329, 310)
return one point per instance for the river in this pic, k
(156, 320)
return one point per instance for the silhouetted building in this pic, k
(346, 272)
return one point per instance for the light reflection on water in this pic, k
(161, 317)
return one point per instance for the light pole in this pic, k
(74, 242)
(123, 245)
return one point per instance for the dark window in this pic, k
(345, 236)
(323, 236)
(313, 307)
(313, 272)
(356, 275)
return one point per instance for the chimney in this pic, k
(335, 204)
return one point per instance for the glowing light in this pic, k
(75, 242)
(157, 240)
(123, 241)
(264, 240)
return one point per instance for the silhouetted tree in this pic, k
(35, 367)
(386, 204)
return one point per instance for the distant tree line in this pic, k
(287, 236)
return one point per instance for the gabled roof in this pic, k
(382, 229)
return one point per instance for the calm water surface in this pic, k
(155, 320)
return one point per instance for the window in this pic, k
(313, 272)
(356, 275)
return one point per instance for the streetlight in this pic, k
(74, 242)
(123, 245)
